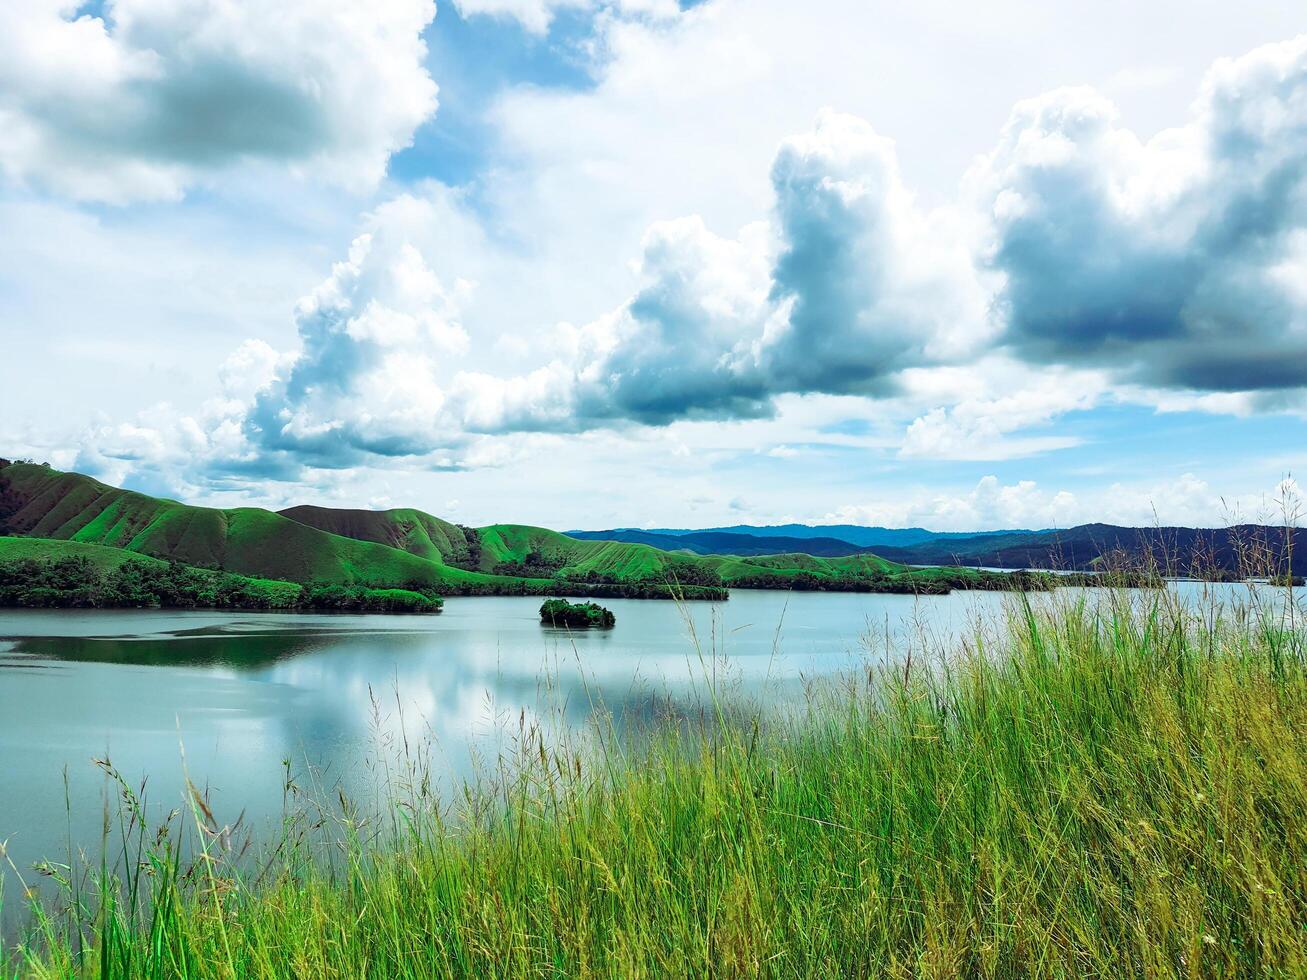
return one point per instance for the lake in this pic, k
(233, 698)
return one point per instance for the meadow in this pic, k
(1109, 787)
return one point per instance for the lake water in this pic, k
(229, 697)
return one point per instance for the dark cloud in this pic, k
(682, 345)
(1172, 261)
(843, 219)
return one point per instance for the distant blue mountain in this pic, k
(1241, 550)
(854, 534)
(726, 543)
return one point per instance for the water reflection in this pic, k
(243, 693)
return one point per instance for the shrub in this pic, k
(576, 615)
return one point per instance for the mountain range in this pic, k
(857, 534)
(1240, 549)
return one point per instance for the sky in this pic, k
(609, 263)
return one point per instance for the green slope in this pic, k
(516, 543)
(406, 547)
(36, 501)
(44, 549)
(542, 552)
(413, 531)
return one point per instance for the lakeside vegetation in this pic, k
(40, 574)
(1112, 789)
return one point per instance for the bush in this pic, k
(576, 615)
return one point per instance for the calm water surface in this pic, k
(236, 694)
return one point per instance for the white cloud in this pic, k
(160, 93)
(367, 378)
(842, 288)
(993, 505)
(840, 283)
(980, 425)
(534, 15)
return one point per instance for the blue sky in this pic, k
(635, 262)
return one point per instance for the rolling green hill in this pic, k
(413, 531)
(523, 550)
(520, 550)
(39, 502)
(410, 548)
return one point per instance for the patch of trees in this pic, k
(78, 583)
(698, 578)
(467, 555)
(576, 615)
(685, 572)
(809, 582)
(588, 589)
(8, 499)
(534, 564)
(939, 582)
(358, 598)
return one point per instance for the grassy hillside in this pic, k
(521, 549)
(413, 531)
(409, 548)
(36, 501)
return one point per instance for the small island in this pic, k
(576, 615)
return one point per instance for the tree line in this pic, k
(76, 582)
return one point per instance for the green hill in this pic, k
(39, 502)
(413, 531)
(526, 551)
(410, 548)
(520, 550)
(376, 549)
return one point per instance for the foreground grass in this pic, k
(1106, 791)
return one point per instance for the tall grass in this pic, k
(1096, 789)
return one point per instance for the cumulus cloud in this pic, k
(843, 287)
(837, 292)
(1176, 261)
(870, 285)
(685, 346)
(367, 377)
(158, 93)
(1172, 263)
